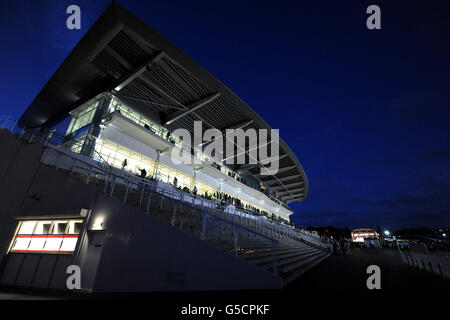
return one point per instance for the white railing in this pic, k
(436, 263)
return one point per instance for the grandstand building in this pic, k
(107, 196)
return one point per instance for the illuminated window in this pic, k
(117, 106)
(47, 236)
(115, 154)
(82, 116)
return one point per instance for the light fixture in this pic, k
(386, 232)
(98, 224)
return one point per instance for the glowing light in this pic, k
(386, 232)
(98, 224)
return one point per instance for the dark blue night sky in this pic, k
(366, 112)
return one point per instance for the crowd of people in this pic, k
(341, 245)
(224, 198)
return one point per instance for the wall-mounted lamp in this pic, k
(98, 224)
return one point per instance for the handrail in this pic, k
(46, 135)
(206, 213)
(179, 194)
(235, 233)
(130, 179)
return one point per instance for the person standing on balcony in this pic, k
(195, 191)
(143, 173)
(124, 164)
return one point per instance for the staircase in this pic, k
(293, 259)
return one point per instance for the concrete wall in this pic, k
(142, 253)
(134, 252)
(29, 188)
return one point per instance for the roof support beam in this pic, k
(174, 116)
(118, 57)
(251, 148)
(270, 159)
(295, 196)
(161, 91)
(284, 193)
(239, 125)
(136, 72)
(269, 182)
(236, 126)
(285, 186)
(248, 166)
(281, 170)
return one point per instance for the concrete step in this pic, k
(304, 267)
(288, 263)
(262, 257)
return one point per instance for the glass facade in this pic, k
(117, 106)
(82, 117)
(115, 154)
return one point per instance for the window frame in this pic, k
(49, 235)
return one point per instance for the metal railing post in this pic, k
(73, 166)
(58, 156)
(150, 193)
(236, 241)
(144, 185)
(174, 214)
(22, 132)
(274, 248)
(13, 126)
(88, 178)
(113, 184)
(5, 122)
(202, 235)
(107, 177)
(162, 199)
(221, 225)
(126, 193)
(240, 220)
(31, 138)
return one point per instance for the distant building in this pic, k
(359, 235)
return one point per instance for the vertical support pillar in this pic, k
(195, 177)
(156, 171)
(94, 132)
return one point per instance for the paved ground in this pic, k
(347, 275)
(339, 275)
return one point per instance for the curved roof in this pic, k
(123, 55)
